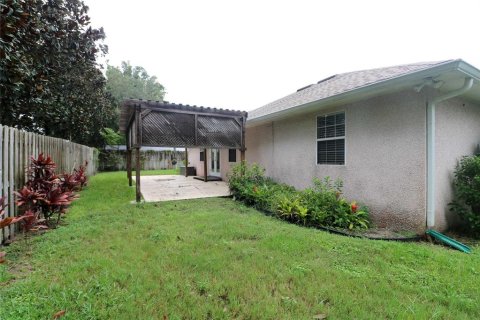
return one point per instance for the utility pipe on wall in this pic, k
(431, 147)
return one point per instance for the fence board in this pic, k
(11, 177)
(6, 149)
(2, 183)
(16, 149)
(150, 160)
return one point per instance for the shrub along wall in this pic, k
(319, 206)
(467, 193)
(16, 149)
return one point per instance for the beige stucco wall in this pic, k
(457, 133)
(385, 156)
(260, 144)
(194, 160)
(225, 165)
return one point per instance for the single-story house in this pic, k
(393, 135)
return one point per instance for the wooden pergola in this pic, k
(164, 124)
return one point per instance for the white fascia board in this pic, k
(469, 70)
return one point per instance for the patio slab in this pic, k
(176, 187)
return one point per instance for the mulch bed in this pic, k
(377, 234)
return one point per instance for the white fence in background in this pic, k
(16, 149)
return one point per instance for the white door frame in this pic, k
(214, 165)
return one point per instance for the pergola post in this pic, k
(138, 144)
(186, 162)
(129, 165)
(242, 150)
(205, 176)
(128, 139)
(138, 196)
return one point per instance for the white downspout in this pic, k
(431, 147)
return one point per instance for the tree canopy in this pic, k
(133, 82)
(50, 81)
(111, 137)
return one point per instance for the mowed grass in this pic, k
(217, 259)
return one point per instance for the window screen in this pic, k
(331, 139)
(232, 155)
(202, 156)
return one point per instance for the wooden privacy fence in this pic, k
(115, 160)
(16, 149)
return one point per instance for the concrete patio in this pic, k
(176, 187)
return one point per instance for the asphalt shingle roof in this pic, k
(339, 84)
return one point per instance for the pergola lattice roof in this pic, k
(166, 124)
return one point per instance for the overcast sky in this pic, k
(244, 54)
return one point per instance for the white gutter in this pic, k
(431, 147)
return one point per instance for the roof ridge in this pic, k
(426, 63)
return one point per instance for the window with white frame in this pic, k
(331, 139)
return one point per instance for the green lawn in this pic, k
(217, 259)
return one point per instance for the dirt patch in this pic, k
(378, 234)
(463, 237)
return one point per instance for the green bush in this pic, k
(109, 160)
(291, 208)
(323, 200)
(321, 205)
(249, 184)
(467, 192)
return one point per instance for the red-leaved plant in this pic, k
(80, 175)
(70, 182)
(45, 194)
(4, 222)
